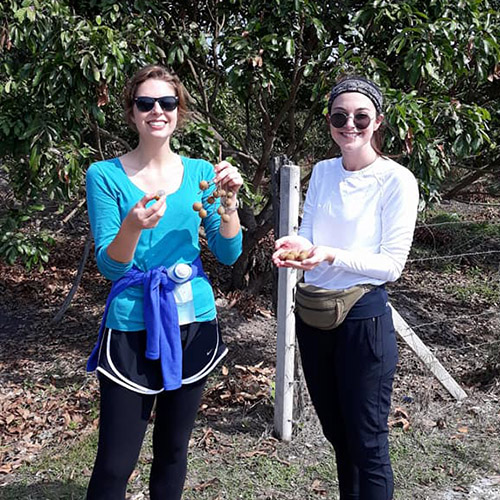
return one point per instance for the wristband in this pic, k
(230, 210)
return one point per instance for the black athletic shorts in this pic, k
(122, 356)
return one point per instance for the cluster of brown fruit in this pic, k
(298, 256)
(218, 193)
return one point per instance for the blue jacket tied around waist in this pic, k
(163, 339)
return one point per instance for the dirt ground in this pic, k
(47, 401)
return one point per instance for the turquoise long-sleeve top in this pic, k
(111, 195)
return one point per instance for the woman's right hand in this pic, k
(287, 243)
(142, 217)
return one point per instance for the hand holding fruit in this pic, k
(299, 253)
(227, 177)
(228, 181)
(142, 216)
(290, 249)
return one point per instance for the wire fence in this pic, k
(458, 222)
(488, 314)
(453, 256)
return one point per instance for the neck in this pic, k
(154, 153)
(356, 161)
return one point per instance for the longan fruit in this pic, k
(284, 255)
(202, 213)
(293, 255)
(197, 206)
(204, 185)
(221, 210)
(303, 255)
(229, 194)
(222, 192)
(216, 194)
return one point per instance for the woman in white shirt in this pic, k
(357, 229)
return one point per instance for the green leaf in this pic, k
(20, 14)
(31, 13)
(38, 77)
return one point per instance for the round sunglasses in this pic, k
(167, 103)
(361, 120)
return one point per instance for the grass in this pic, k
(246, 467)
(444, 233)
(430, 461)
(479, 285)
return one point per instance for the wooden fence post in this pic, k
(285, 356)
(425, 355)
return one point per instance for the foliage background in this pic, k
(258, 73)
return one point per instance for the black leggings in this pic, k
(123, 420)
(349, 374)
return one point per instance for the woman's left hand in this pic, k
(228, 176)
(317, 255)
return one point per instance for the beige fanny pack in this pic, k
(326, 309)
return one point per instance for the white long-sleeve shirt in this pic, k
(368, 216)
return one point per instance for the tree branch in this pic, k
(113, 137)
(76, 282)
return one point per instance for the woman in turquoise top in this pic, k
(149, 351)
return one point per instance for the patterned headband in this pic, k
(361, 85)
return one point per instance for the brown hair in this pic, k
(378, 140)
(156, 72)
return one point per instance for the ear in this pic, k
(378, 121)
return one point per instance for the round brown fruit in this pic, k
(216, 194)
(303, 255)
(284, 255)
(203, 185)
(221, 210)
(222, 192)
(211, 199)
(229, 194)
(202, 213)
(197, 206)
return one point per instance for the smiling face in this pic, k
(156, 123)
(349, 138)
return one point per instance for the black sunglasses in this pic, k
(361, 120)
(167, 103)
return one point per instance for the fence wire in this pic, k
(453, 256)
(423, 225)
(490, 312)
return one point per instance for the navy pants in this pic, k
(349, 373)
(123, 421)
